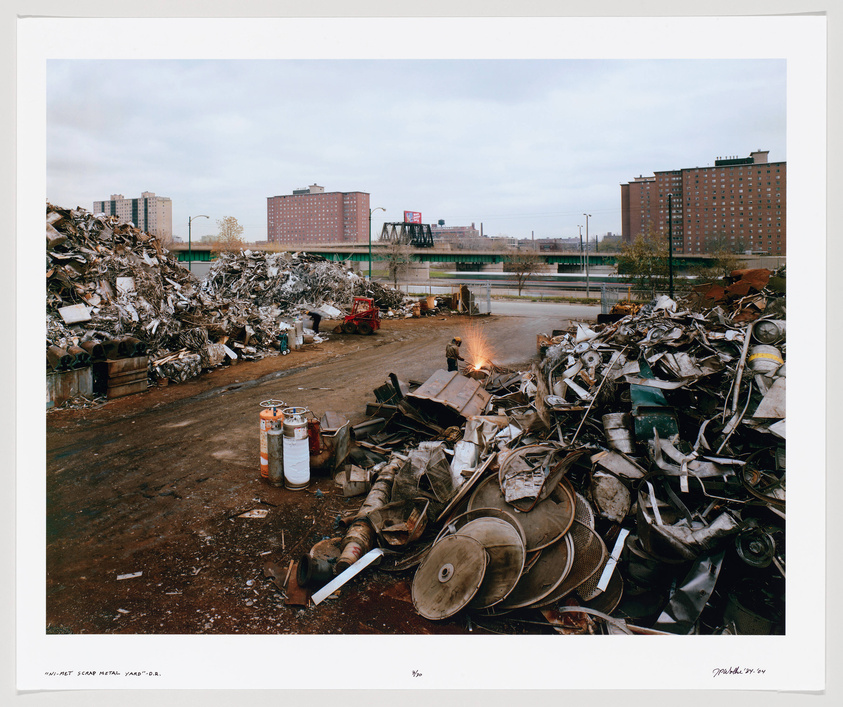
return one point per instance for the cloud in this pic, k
(522, 145)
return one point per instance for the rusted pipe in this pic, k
(81, 358)
(59, 359)
(131, 347)
(359, 539)
(381, 489)
(94, 349)
(111, 348)
(736, 390)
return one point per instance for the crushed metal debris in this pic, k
(114, 291)
(633, 481)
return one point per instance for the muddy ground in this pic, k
(154, 483)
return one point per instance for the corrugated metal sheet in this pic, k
(462, 395)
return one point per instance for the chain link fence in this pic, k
(471, 298)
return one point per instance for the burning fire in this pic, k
(478, 352)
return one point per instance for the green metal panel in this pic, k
(198, 256)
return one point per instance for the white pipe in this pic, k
(342, 578)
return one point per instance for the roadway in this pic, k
(550, 311)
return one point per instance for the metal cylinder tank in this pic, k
(275, 455)
(296, 449)
(271, 418)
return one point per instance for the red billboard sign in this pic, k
(412, 217)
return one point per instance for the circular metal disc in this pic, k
(544, 524)
(608, 601)
(548, 573)
(584, 513)
(451, 527)
(398, 562)
(449, 577)
(589, 556)
(506, 554)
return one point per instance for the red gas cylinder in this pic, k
(314, 431)
(272, 418)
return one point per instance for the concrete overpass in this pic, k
(487, 259)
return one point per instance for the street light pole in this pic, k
(189, 244)
(587, 285)
(371, 211)
(670, 240)
(582, 256)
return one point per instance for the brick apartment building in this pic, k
(312, 215)
(740, 202)
(152, 214)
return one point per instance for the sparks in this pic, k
(478, 351)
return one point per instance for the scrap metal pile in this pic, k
(632, 482)
(292, 281)
(109, 282)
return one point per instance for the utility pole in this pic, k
(587, 285)
(371, 211)
(582, 259)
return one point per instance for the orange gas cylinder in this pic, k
(272, 418)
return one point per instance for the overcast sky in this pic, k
(520, 146)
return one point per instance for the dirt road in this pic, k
(154, 482)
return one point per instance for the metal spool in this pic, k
(764, 359)
(503, 538)
(588, 557)
(544, 524)
(449, 577)
(769, 331)
(544, 576)
(755, 547)
(591, 358)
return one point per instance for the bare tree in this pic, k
(229, 236)
(522, 264)
(725, 252)
(398, 256)
(644, 262)
(165, 241)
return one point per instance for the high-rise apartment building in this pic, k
(152, 214)
(312, 215)
(740, 203)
